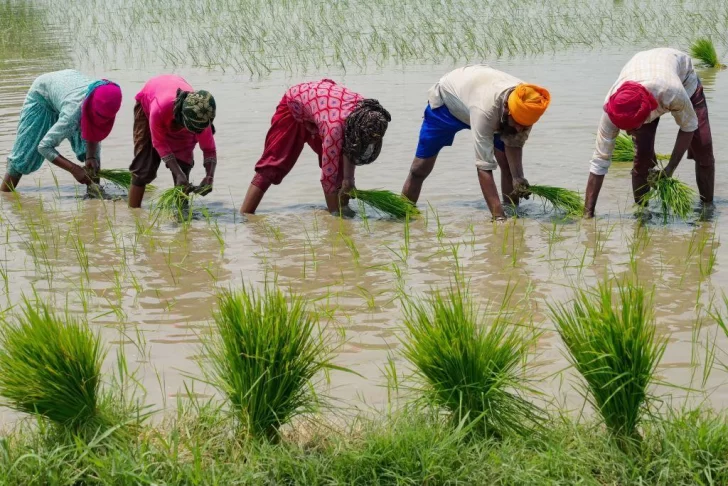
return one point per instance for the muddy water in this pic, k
(151, 288)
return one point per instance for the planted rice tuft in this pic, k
(265, 357)
(385, 202)
(468, 366)
(612, 344)
(51, 368)
(561, 199)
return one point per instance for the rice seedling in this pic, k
(613, 345)
(173, 202)
(468, 365)
(52, 368)
(703, 49)
(561, 199)
(624, 149)
(265, 358)
(121, 178)
(385, 202)
(674, 196)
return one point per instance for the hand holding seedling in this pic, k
(520, 187)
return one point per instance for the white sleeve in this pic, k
(482, 128)
(606, 139)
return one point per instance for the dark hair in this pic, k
(364, 130)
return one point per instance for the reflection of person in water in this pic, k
(651, 84)
(342, 127)
(63, 105)
(169, 120)
(499, 109)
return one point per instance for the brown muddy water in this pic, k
(151, 288)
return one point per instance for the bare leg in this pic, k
(252, 199)
(420, 169)
(9, 183)
(136, 194)
(506, 179)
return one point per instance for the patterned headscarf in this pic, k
(364, 130)
(194, 110)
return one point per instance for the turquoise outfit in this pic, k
(51, 113)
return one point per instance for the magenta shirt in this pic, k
(157, 100)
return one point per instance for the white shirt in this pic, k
(666, 73)
(476, 95)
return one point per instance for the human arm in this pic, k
(159, 129)
(490, 194)
(64, 128)
(681, 108)
(209, 154)
(92, 162)
(599, 165)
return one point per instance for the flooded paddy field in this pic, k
(150, 286)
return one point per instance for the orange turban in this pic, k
(527, 103)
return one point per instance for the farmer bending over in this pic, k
(63, 105)
(499, 109)
(342, 127)
(651, 84)
(169, 120)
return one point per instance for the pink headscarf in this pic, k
(630, 106)
(99, 110)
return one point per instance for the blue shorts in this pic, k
(438, 130)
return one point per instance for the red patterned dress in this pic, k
(323, 104)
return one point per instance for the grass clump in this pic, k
(674, 196)
(52, 368)
(703, 49)
(172, 202)
(624, 149)
(467, 366)
(561, 199)
(385, 202)
(264, 358)
(612, 344)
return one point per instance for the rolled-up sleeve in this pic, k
(606, 139)
(66, 126)
(517, 139)
(482, 128)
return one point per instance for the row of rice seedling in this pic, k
(267, 355)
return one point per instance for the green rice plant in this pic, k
(674, 196)
(173, 202)
(385, 202)
(121, 178)
(624, 149)
(612, 344)
(703, 49)
(561, 199)
(265, 358)
(52, 368)
(469, 365)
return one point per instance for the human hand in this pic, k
(655, 174)
(520, 187)
(205, 187)
(82, 177)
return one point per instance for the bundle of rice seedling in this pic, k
(614, 348)
(624, 149)
(704, 50)
(173, 202)
(385, 202)
(468, 366)
(52, 368)
(561, 199)
(674, 196)
(265, 357)
(121, 178)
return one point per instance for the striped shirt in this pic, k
(666, 73)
